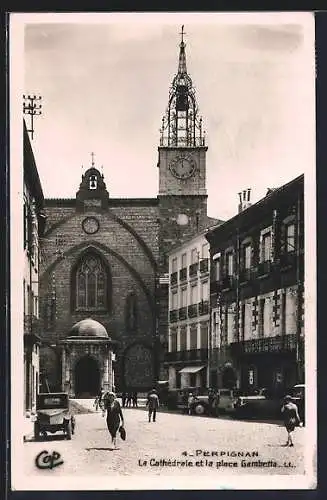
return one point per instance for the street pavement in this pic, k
(173, 445)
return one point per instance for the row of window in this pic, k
(189, 295)
(246, 252)
(266, 318)
(189, 258)
(188, 338)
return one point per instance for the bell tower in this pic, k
(182, 149)
(92, 193)
(182, 164)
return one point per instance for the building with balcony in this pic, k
(33, 227)
(187, 356)
(257, 293)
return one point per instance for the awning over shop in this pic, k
(191, 369)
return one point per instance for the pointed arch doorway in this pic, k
(87, 377)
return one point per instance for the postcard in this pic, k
(163, 260)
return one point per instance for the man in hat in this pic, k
(152, 404)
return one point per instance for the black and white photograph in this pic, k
(163, 251)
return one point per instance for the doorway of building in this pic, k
(229, 377)
(87, 378)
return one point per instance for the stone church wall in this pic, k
(130, 248)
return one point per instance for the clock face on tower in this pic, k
(183, 167)
(90, 225)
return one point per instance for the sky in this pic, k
(105, 80)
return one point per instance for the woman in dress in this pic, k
(291, 418)
(115, 417)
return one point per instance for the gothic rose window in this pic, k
(91, 284)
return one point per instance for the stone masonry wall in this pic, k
(131, 253)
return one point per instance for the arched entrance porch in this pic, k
(87, 377)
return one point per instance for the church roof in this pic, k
(88, 328)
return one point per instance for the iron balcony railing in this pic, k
(280, 344)
(193, 269)
(190, 355)
(203, 307)
(215, 286)
(192, 310)
(182, 313)
(264, 268)
(183, 274)
(246, 274)
(204, 266)
(173, 278)
(288, 260)
(184, 142)
(227, 282)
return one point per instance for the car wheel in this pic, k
(69, 430)
(36, 431)
(199, 409)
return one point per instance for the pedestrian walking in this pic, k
(291, 418)
(129, 400)
(115, 418)
(153, 405)
(134, 399)
(98, 400)
(123, 399)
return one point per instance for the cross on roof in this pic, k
(183, 33)
(92, 156)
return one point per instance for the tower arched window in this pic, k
(91, 284)
(93, 182)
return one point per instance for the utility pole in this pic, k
(32, 108)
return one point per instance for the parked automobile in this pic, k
(226, 400)
(223, 402)
(53, 414)
(260, 405)
(178, 399)
(298, 397)
(199, 405)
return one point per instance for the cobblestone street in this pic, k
(174, 445)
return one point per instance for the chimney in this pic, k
(245, 197)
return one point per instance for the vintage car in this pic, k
(178, 399)
(53, 414)
(223, 402)
(260, 405)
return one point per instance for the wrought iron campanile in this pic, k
(182, 125)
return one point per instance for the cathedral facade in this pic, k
(104, 274)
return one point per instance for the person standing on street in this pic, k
(98, 399)
(134, 399)
(291, 418)
(211, 398)
(128, 399)
(152, 404)
(115, 417)
(190, 400)
(123, 399)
